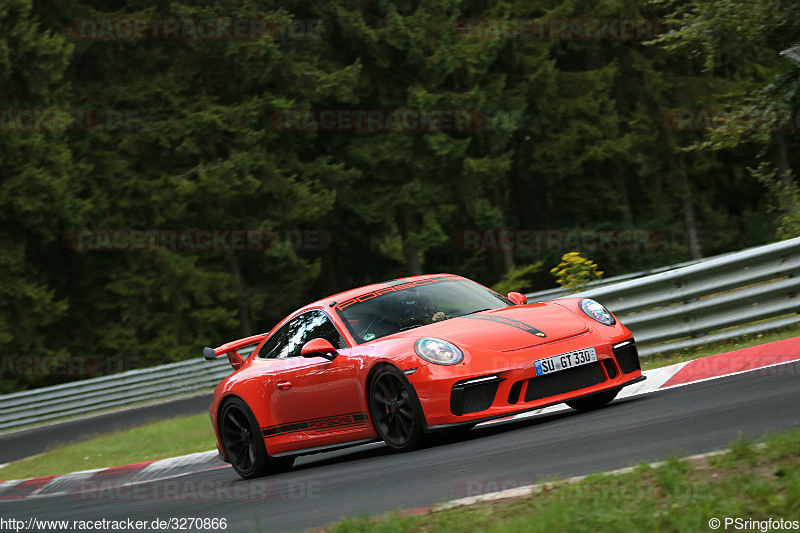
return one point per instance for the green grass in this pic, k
(158, 440)
(180, 436)
(751, 482)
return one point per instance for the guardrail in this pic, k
(667, 309)
(728, 296)
(110, 392)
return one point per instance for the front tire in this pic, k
(243, 444)
(395, 410)
(595, 401)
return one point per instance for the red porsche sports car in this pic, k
(396, 360)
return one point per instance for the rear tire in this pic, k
(395, 410)
(595, 401)
(243, 443)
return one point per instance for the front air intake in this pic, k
(513, 394)
(627, 356)
(473, 395)
(610, 370)
(564, 381)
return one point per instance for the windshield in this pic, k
(413, 304)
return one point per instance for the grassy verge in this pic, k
(158, 440)
(750, 482)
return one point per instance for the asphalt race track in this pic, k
(370, 480)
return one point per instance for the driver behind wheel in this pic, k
(419, 308)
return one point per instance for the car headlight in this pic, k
(597, 311)
(438, 351)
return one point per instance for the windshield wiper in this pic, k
(406, 328)
(478, 311)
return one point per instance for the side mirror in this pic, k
(319, 348)
(518, 298)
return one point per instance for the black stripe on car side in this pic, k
(285, 428)
(327, 422)
(509, 322)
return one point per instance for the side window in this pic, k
(275, 345)
(309, 326)
(289, 340)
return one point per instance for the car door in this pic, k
(313, 401)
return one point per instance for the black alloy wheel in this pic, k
(243, 444)
(395, 410)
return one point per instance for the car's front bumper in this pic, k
(495, 385)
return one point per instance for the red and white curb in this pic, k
(764, 357)
(107, 478)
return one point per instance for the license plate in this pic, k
(584, 356)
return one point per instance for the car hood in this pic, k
(510, 328)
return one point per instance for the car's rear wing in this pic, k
(212, 353)
(231, 350)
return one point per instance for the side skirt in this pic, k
(320, 449)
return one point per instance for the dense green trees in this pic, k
(552, 134)
(739, 42)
